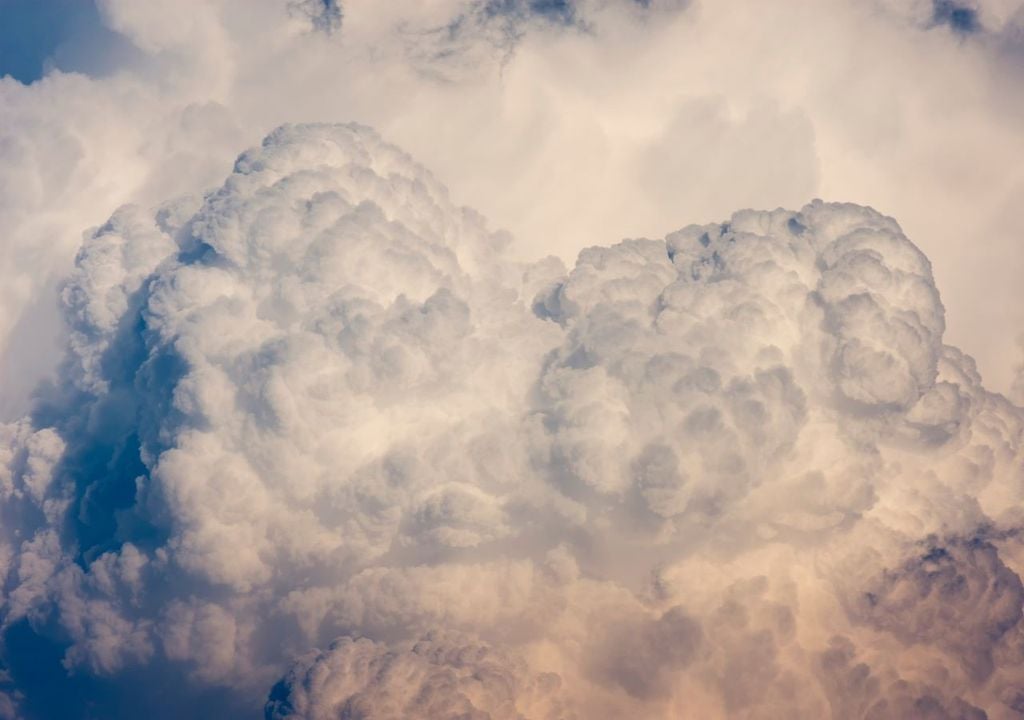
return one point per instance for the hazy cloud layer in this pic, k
(321, 444)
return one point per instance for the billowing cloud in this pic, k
(322, 444)
(430, 678)
(570, 123)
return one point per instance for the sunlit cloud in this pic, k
(426, 360)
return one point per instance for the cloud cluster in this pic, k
(668, 111)
(321, 442)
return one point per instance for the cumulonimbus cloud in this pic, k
(320, 442)
(569, 122)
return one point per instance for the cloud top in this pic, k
(734, 472)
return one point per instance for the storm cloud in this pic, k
(321, 444)
(568, 123)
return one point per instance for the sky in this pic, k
(69, 35)
(511, 358)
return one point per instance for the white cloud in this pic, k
(634, 118)
(737, 472)
(731, 473)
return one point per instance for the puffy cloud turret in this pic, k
(730, 473)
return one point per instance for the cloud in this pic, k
(1017, 389)
(325, 15)
(667, 112)
(430, 678)
(317, 433)
(320, 441)
(963, 599)
(858, 693)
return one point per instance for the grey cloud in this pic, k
(855, 691)
(959, 596)
(644, 655)
(495, 28)
(560, 11)
(324, 15)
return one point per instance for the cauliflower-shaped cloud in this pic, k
(730, 473)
